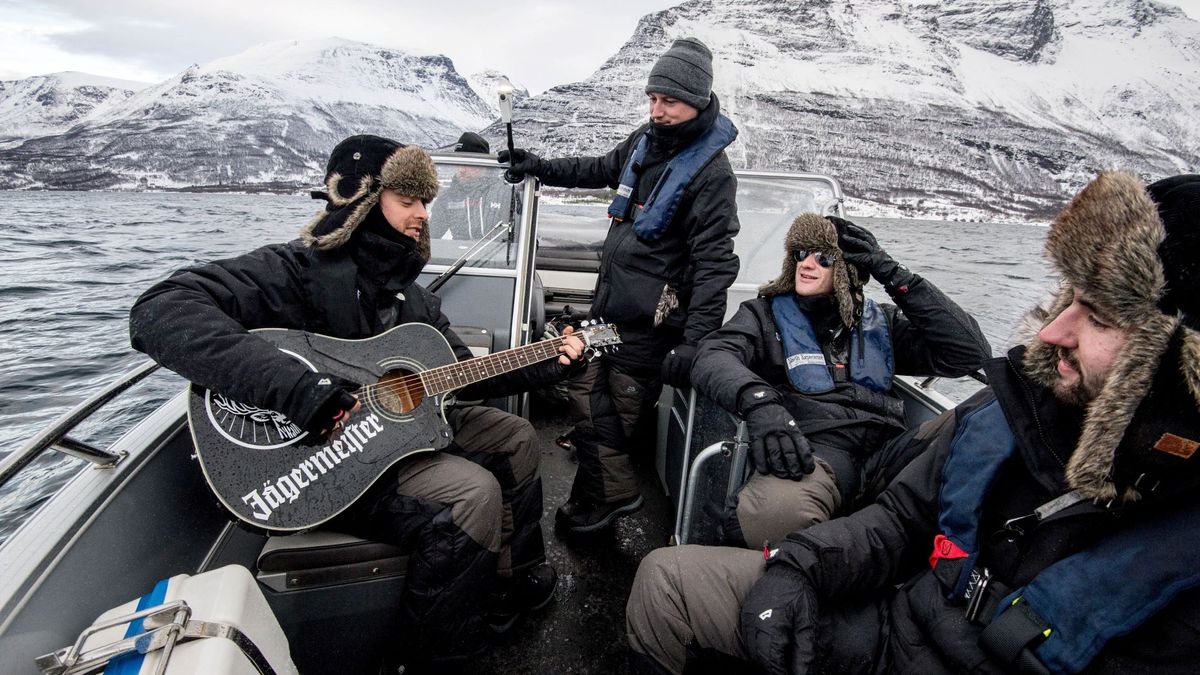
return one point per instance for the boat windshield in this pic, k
(767, 204)
(472, 199)
(572, 223)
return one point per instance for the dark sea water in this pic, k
(71, 264)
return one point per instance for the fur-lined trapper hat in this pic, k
(813, 232)
(1134, 251)
(359, 168)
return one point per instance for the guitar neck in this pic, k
(457, 375)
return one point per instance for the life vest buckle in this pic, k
(976, 590)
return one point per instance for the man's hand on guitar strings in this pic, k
(572, 347)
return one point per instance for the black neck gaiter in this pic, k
(387, 262)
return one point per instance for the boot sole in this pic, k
(607, 520)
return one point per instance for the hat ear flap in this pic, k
(784, 283)
(1189, 363)
(849, 295)
(424, 247)
(333, 228)
(1109, 414)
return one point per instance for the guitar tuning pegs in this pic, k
(583, 323)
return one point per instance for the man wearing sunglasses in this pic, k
(809, 366)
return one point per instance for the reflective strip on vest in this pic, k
(806, 367)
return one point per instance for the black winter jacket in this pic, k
(196, 323)
(694, 255)
(915, 629)
(931, 335)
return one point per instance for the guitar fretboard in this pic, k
(446, 378)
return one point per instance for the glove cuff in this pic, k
(684, 350)
(793, 554)
(893, 276)
(755, 396)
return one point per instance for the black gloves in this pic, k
(520, 162)
(677, 367)
(776, 445)
(860, 249)
(339, 401)
(778, 620)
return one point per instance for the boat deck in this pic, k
(583, 629)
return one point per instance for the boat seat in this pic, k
(701, 461)
(324, 558)
(478, 340)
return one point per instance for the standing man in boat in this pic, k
(809, 366)
(467, 513)
(1050, 526)
(475, 199)
(665, 266)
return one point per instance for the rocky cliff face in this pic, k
(976, 107)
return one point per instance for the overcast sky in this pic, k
(537, 43)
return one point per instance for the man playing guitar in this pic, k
(468, 513)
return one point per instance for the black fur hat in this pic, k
(359, 168)
(1134, 251)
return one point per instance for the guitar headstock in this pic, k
(598, 336)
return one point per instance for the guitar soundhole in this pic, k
(400, 391)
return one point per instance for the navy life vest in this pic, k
(658, 209)
(871, 367)
(1080, 602)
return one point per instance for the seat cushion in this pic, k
(320, 549)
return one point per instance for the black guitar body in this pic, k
(274, 476)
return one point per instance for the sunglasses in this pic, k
(823, 259)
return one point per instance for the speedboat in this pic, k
(121, 565)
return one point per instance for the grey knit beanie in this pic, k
(684, 72)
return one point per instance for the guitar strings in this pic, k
(405, 384)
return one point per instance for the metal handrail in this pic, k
(56, 434)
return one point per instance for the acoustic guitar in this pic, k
(274, 476)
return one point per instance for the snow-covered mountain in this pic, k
(967, 107)
(268, 116)
(51, 104)
(930, 107)
(485, 84)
